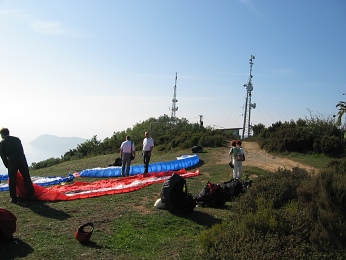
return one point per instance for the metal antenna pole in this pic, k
(248, 105)
(174, 100)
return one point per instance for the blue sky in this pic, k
(85, 68)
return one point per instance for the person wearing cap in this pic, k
(148, 145)
(13, 157)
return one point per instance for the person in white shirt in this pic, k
(235, 152)
(148, 145)
(127, 149)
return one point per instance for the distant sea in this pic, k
(37, 154)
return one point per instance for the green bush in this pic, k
(331, 145)
(166, 134)
(251, 237)
(284, 215)
(46, 163)
(324, 196)
(315, 135)
(263, 220)
(279, 187)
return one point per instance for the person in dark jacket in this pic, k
(13, 157)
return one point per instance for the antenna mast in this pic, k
(174, 100)
(201, 120)
(246, 126)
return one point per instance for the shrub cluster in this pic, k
(312, 136)
(46, 163)
(168, 135)
(325, 201)
(287, 214)
(279, 188)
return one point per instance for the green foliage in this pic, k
(315, 135)
(279, 188)
(127, 226)
(287, 214)
(342, 110)
(324, 196)
(258, 129)
(331, 145)
(263, 219)
(46, 163)
(338, 165)
(89, 147)
(167, 135)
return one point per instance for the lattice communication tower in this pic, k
(249, 87)
(174, 100)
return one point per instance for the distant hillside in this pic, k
(53, 142)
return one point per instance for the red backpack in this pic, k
(7, 225)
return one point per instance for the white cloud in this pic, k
(41, 26)
(53, 28)
(250, 5)
(15, 13)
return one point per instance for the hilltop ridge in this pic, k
(57, 143)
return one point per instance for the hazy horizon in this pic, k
(36, 153)
(73, 68)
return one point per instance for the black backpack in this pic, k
(118, 162)
(216, 195)
(233, 187)
(175, 196)
(212, 195)
(197, 149)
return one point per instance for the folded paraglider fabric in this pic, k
(82, 190)
(43, 181)
(182, 162)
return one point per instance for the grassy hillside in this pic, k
(127, 226)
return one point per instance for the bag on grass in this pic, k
(7, 225)
(216, 195)
(212, 195)
(197, 149)
(175, 196)
(118, 162)
(84, 232)
(233, 187)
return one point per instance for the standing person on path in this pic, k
(148, 145)
(234, 151)
(127, 149)
(13, 157)
(242, 157)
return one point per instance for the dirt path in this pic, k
(261, 159)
